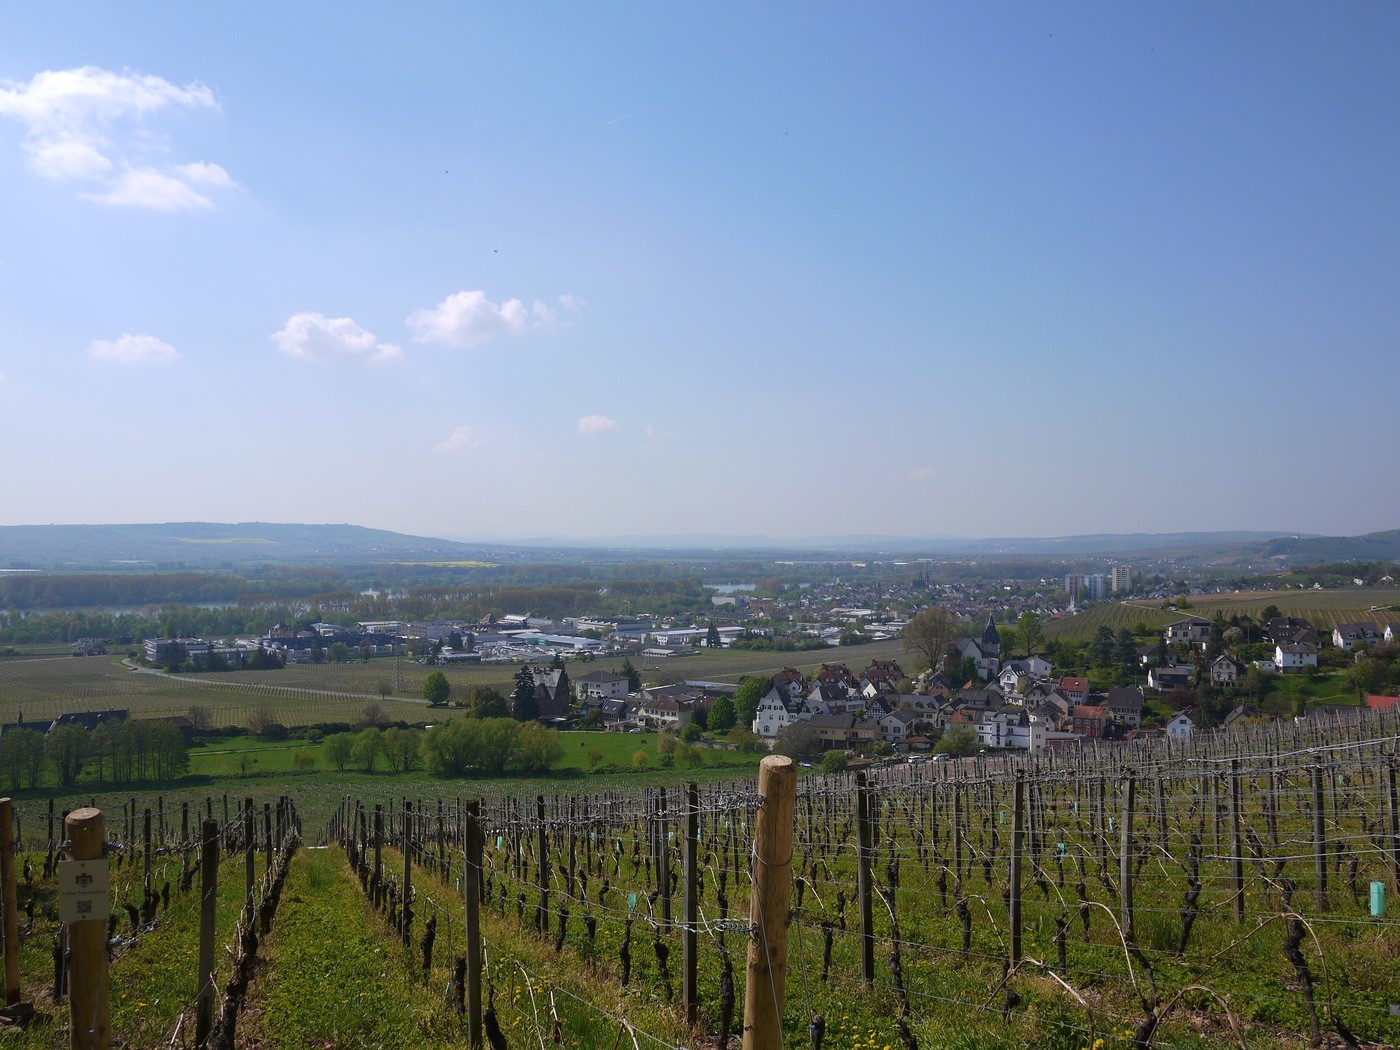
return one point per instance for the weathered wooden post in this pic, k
(250, 874)
(10, 900)
(768, 909)
(542, 867)
(89, 1023)
(1319, 840)
(864, 847)
(378, 883)
(208, 904)
(1125, 858)
(405, 912)
(1236, 844)
(1018, 833)
(471, 890)
(146, 850)
(691, 905)
(1392, 815)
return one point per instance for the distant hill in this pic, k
(1373, 546)
(198, 543)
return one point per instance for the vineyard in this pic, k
(1230, 892)
(1323, 609)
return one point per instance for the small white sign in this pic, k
(83, 890)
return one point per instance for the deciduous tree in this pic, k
(931, 634)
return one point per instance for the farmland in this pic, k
(1188, 897)
(315, 693)
(1324, 609)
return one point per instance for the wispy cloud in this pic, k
(462, 439)
(468, 319)
(922, 473)
(130, 349)
(316, 337)
(592, 426)
(656, 435)
(89, 126)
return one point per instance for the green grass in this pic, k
(331, 974)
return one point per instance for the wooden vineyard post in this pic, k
(691, 905)
(863, 883)
(1392, 816)
(378, 855)
(208, 902)
(768, 910)
(1018, 835)
(146, 856)
(10, 899)
(542, 912)
(1125, 858)
(89, 1024)
(1236, 846)
(406, 913)
(250, 862)
(958, 838)
(471, 889)
(1319, 840)
(267, 835)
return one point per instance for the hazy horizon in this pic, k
(906, 270)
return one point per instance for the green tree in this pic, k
(594, 757)
(634, 680)
(1125, 650)
(722, 715)
(523, 705)
(540, 748)
(448, 748)
(1031, 633)
(67, 748)
(401, 749)
(339, 653)
(437, 690)
(712, 636)
(17, 750)
(487, 702)
(746, 700)
(931, 635)
(369, 745)
(798, 740)
(957, 740)
(1101, 650)
(692, 731)
(833, 761)
(339, 749)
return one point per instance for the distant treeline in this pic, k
(42, 591)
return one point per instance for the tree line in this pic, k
(116, 752)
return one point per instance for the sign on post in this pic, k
(83, 890)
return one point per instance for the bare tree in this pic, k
(932, 634)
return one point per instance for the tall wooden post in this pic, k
(1319, 840)
(378, 854)
(1018, 834)
(471, 890)
(89, 1023)
(542, 867)
(146, 850)
(1236, 844)
(405, 912)
(1392, 817)
(10, 899)
(1125, 858)
(772, 889)
(864, 848)
(690, 905)
(208, 903)
(250, 864)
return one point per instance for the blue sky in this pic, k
(592, 270)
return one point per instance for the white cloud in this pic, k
(591, 426)
(207, 174)
(468, 319)
(83, 125)
(923, 473)
(148, 188)
(133, 350)
(463, 439)
(315, 337)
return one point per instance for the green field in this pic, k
(1324, 609)
(317, 693)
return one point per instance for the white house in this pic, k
(601, 685)
(1294, 658)
(1193, 631)
(775, 713)
(1347, 636)
(1181, 727)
